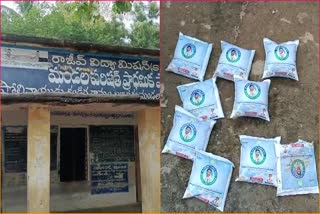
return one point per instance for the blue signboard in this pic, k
(109, 178)
(28, 70)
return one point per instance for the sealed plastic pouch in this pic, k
(234, 61)
(258, 163)
(210, 179)
(202, 99)
(187, 134)
(296, 169)
(190, 58)
(251, 99)
(280, 59)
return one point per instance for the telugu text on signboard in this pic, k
(49, 71)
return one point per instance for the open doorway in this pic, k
(72, 154)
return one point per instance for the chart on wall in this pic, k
(28, 70)
(112, 143)
(15, 148)
(111, 149)
(109, 178)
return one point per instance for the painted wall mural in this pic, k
(26, 70)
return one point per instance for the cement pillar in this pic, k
(149, 151)
(38, 165)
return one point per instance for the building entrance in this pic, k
(72, 154)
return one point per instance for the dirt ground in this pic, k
(293, 106)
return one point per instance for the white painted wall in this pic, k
(65, 196)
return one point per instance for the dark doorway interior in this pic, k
(72, 154)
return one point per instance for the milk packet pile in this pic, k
(202, 99)
(296, 169)
(234, 61)
(187, 134)
(191, 57)
(291, 168)
(210, 179)
(258, 160)
(280, 59)
(251, 99)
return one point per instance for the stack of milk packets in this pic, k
(291, 168)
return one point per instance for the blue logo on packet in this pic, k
(233, 55)
(252, 90)
(298, 168)
(281, 53)
(197, 97)
(208, 175)
(188, 132)
(258, 155)
(188, 50)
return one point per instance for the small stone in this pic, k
(206, 26)
(301, 17)
(285, 20)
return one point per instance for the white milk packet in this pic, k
(258, 162)
(191, 57)
(296, 169)
(234, 61)
(210, 179)
(202, 99)
(187, 134)
(251, 99)
(280, 59)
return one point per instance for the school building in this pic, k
(80, 126)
